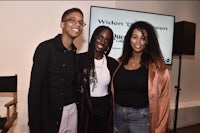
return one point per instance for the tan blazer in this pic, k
(159, 99)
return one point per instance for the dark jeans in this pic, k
(131, 120)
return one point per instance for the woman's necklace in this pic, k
(99, 64)
(135, 62)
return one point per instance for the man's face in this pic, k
(73, 24)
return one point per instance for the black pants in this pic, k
(100, 113)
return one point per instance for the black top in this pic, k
(52, 85)
(131, 87)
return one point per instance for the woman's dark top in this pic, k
(131, 87)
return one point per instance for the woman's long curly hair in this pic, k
(152, 51)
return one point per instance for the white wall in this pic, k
(24, 24)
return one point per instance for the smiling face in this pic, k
(72, 25)
(103, 41)
(138, 40)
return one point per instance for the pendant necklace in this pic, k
(135, 62)
(97, 76)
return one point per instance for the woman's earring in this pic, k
(107, 50)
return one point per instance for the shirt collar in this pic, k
(59, 44)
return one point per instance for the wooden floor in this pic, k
(190, 129)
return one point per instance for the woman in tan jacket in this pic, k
(141, 84)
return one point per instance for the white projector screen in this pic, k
(119, 20)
